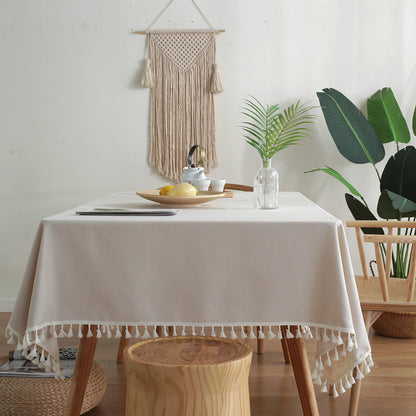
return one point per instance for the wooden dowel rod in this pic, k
(145, 32)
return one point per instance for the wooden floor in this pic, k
(390, 389)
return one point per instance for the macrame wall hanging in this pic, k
(182, 72)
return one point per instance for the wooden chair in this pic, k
(383, 293)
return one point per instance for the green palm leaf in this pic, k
(269, 131)
(414, 122)
(337, 175)
(385, 116)
(353, 135)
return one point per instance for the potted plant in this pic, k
(269, 131)
(361, 140)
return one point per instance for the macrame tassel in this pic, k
(118, 332)
(99, 335)
(147, 77)
(70, 333)
(146, 334)
(222, 333)
(324, 388)
(252, 334)
(89, 333)
(193, 330)
(202, 333)
(260, 334)
(325, 337)
(233, 334)
(183, 331)
(213, 334)
(216, 84)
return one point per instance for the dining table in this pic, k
(123, 264)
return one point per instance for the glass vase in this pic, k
(266, 186)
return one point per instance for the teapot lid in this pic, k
(192, 151)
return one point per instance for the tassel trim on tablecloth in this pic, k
(342, 340)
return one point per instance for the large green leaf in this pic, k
(338, 176)
(385, 116)
(352, 133)
(414, 122)
(385, 207)
(399, 175)
(360, 212)
(403, 205)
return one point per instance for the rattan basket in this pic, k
(396, 325)
(24, 396)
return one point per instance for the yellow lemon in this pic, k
(165, 189)
(183, 189)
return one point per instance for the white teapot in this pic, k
(191, 171)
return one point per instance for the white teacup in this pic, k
(201, 184)
(217, 185)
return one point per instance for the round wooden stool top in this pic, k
(187, 350)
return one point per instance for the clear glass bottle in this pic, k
(266, 186)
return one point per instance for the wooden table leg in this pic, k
(300, 365)
(284, 346)
(82, 368)
(122, 344)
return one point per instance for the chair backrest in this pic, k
(397, 245)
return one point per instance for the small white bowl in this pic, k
(217, 185)
(201, 184)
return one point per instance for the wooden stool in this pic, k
(188, 376)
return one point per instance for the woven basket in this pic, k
(24, 396)
(396, 325)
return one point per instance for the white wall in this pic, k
(74, 120)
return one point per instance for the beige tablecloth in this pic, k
(207, 269)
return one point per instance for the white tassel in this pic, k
(339, 338)
(243, 333)
(146, 334)
(183, 331)
(216, 84)
(324, 388)
(279, 333)
(99, 335)
(328, 360)
(61, 332)
(359, 375)
(344, 350)
(202, 331)
(42, 356)
(79, 331)
(252, 334)
(351, 378)
(137, 333)
(350, 344)
(222, 333)
(289, 334)
(341, 387)
(155, 334)
(317, 335)
(213, 334)
(336, 356)
(260, 334)
(333, 337)
(37, 339)
(165, 331)
(334, 391)
(370, 360)
(108, 331)
(174, 331)
(233, 334)
(320, 365)
(89, 333)
(118, 332)
(193, 330)
(271, 334)
(325, 337)
(70, 333)
(147, 77)
(298, 333)
(347, 383)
